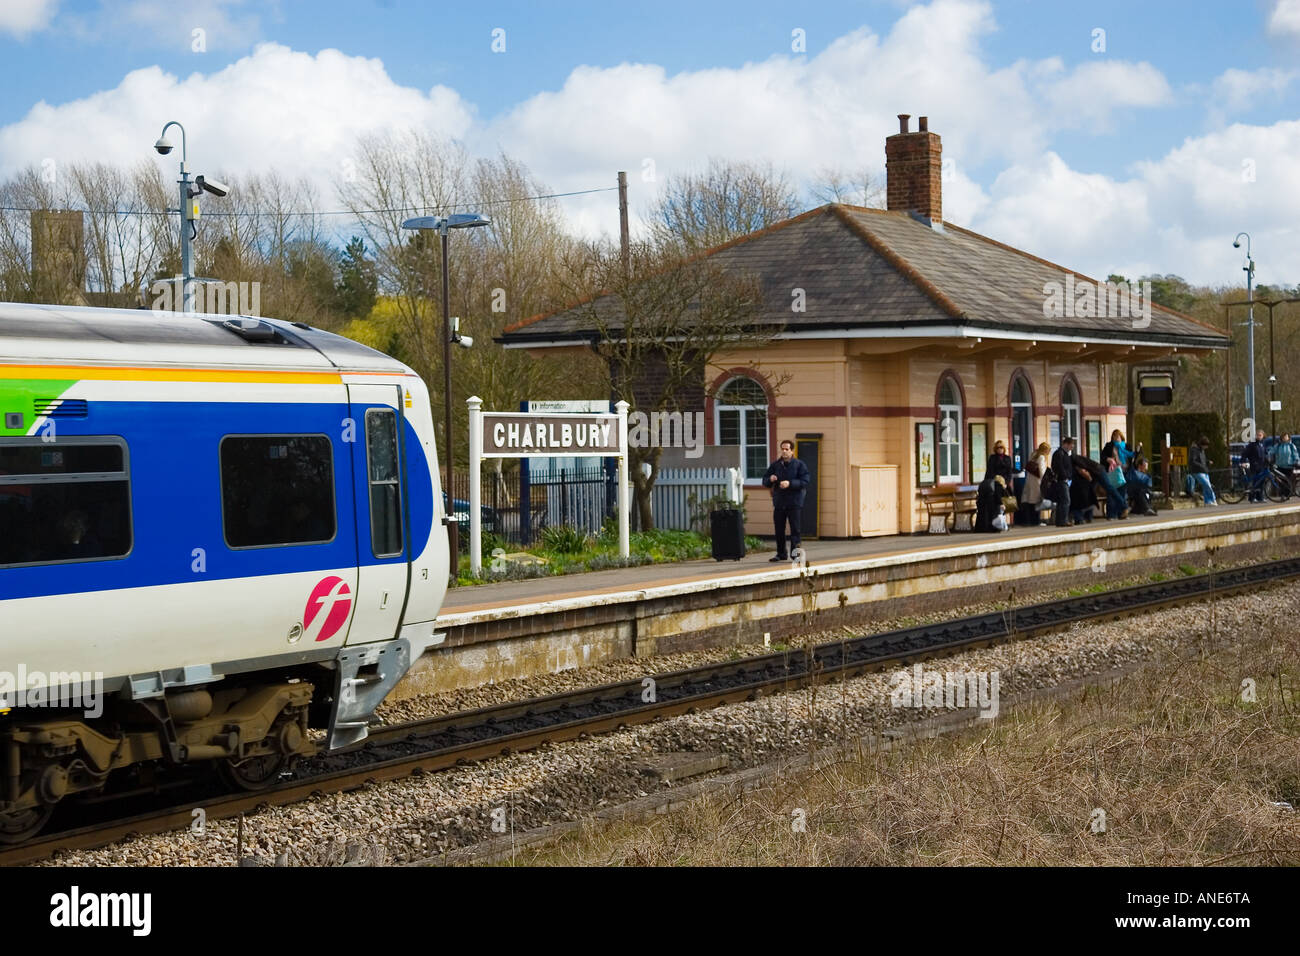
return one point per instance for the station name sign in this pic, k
(509, 434)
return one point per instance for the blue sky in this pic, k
(1115, 142)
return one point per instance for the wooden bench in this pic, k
(955, 501)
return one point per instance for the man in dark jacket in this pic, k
(789, 479)
(1063, 471)
(1256, 460)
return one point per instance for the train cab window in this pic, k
(277, 490)
(382, 471)
(63, 501)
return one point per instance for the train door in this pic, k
(379, 476)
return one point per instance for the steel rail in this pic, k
(443, 742)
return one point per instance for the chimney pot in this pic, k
(913, 170)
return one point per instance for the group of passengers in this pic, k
(1065, 483)
(1069, 484)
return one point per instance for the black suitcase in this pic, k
(728, 532)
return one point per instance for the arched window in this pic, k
(1022, 422)
(740, 418)
(950, 432)
(1070, 411)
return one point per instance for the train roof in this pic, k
(66, 333)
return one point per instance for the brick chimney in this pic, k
(913, 172)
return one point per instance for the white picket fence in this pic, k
(674, 487)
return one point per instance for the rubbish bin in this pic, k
(728, 531)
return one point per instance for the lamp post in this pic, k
(442, 225)
(189, 210)
(1272, 363)
(1249, 269)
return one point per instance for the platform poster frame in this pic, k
(544, 435)
(979, 449)
(926, 465)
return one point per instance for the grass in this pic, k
(568, 551)
(1169, 767)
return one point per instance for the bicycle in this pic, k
(1275, 486)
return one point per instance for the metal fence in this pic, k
(517, 509)
(675, 487)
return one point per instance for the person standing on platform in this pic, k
(1031, 498)
(1285, 456)
(1255, 459)
(788, 479)
(1198, 466)
(1063, 472)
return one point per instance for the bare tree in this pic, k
(859, 188)
(726, 201)
(658, 327)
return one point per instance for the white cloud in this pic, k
(21, 17)
(275, 109)
(1235, 91)
(1089, 95)
(197, 26)
(299, 114)
(804, 114)
(1285, 19)
(1177, 213)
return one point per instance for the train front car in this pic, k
(216, 535)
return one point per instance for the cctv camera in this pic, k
(1236, 244)
(214, 186)
(465, 341)
(163, 146)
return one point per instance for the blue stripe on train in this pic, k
(175, 473)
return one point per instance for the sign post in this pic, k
(475, 484)
(542, 435)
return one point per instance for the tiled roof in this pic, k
(867, 268)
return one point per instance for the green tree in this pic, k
(358, 285)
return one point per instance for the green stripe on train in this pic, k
(22, 396)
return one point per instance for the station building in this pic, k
(907, 347)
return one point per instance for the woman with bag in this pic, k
(1031, 496)
(1116, 505)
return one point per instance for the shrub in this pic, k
(563, 539)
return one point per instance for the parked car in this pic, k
(460, 513)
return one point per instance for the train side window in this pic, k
(277, 490)
(64, 501)
(382, 473)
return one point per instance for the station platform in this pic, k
(519, 628)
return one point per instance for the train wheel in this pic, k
(20, 825)
(254, 773)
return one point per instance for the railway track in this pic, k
(442, 742)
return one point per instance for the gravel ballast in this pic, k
(422, 817)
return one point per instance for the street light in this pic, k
(1249, 269)
(1272, 366)
(189, 211)
(442, 225)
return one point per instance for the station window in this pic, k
(740, 418)
(382, 473)
(1070, 411)
(277, 489)
(63, 501)
(950, 431)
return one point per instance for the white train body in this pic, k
(185, 501)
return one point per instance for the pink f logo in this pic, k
(328, 606)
